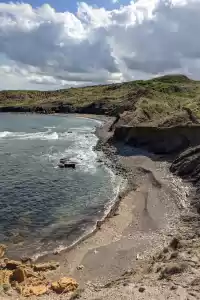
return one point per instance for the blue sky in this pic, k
(71, 5)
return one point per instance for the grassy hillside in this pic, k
(154, 99)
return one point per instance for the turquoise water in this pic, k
(42, 207)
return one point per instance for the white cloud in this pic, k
(42, 48)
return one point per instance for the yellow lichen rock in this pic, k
(2, 250)
(64, 285)
(31, 290)
(5, 277)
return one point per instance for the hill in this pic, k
(140, 101)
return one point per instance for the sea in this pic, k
(44, 208)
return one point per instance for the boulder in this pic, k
(45, 267)
(70, 165)
(64, 285)
(2, 250)
(18, 275)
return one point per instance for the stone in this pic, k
(19, 275)
(173, 288)
(45, 267)
(195, 282)
(141, 289)
(81, 267)
(171, 269)
(64, 285)
(174, 255)
(12, 264)
(70, 165)
(6, 287)
(26, 260)
(61, 166)
(2, 250)
(5, 277)
(175, 243)
(28, 291)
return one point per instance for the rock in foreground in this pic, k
(64, 285)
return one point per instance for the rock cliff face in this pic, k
(187, 166)
(96, 108)
(157, 140)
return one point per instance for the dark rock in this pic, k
(65, 163)
(70, 165)
(18, 275)
(171, 140)
(174, 255)
(12, 264)
(175, 243)
(171, 269)
(61, 166)
(173, 287)
(141, 289)
(63, 160)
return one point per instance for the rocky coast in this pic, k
(148, 246)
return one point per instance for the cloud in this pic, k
(42, 48)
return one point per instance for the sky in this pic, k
(63, 43)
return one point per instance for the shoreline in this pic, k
(142, 220)
(127, 215)
(112, 205)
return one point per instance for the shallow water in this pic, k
(42, 207)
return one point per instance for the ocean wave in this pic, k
(47, 135)
(79, 149)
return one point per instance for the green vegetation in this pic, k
(150, 99)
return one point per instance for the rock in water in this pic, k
(61, 165)
(64, 285)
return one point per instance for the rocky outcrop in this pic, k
(30, 279)
(64, 285)
(157, 140)
(187, 166)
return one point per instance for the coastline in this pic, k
(141, 222)
(126, 225)
(113, 204)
